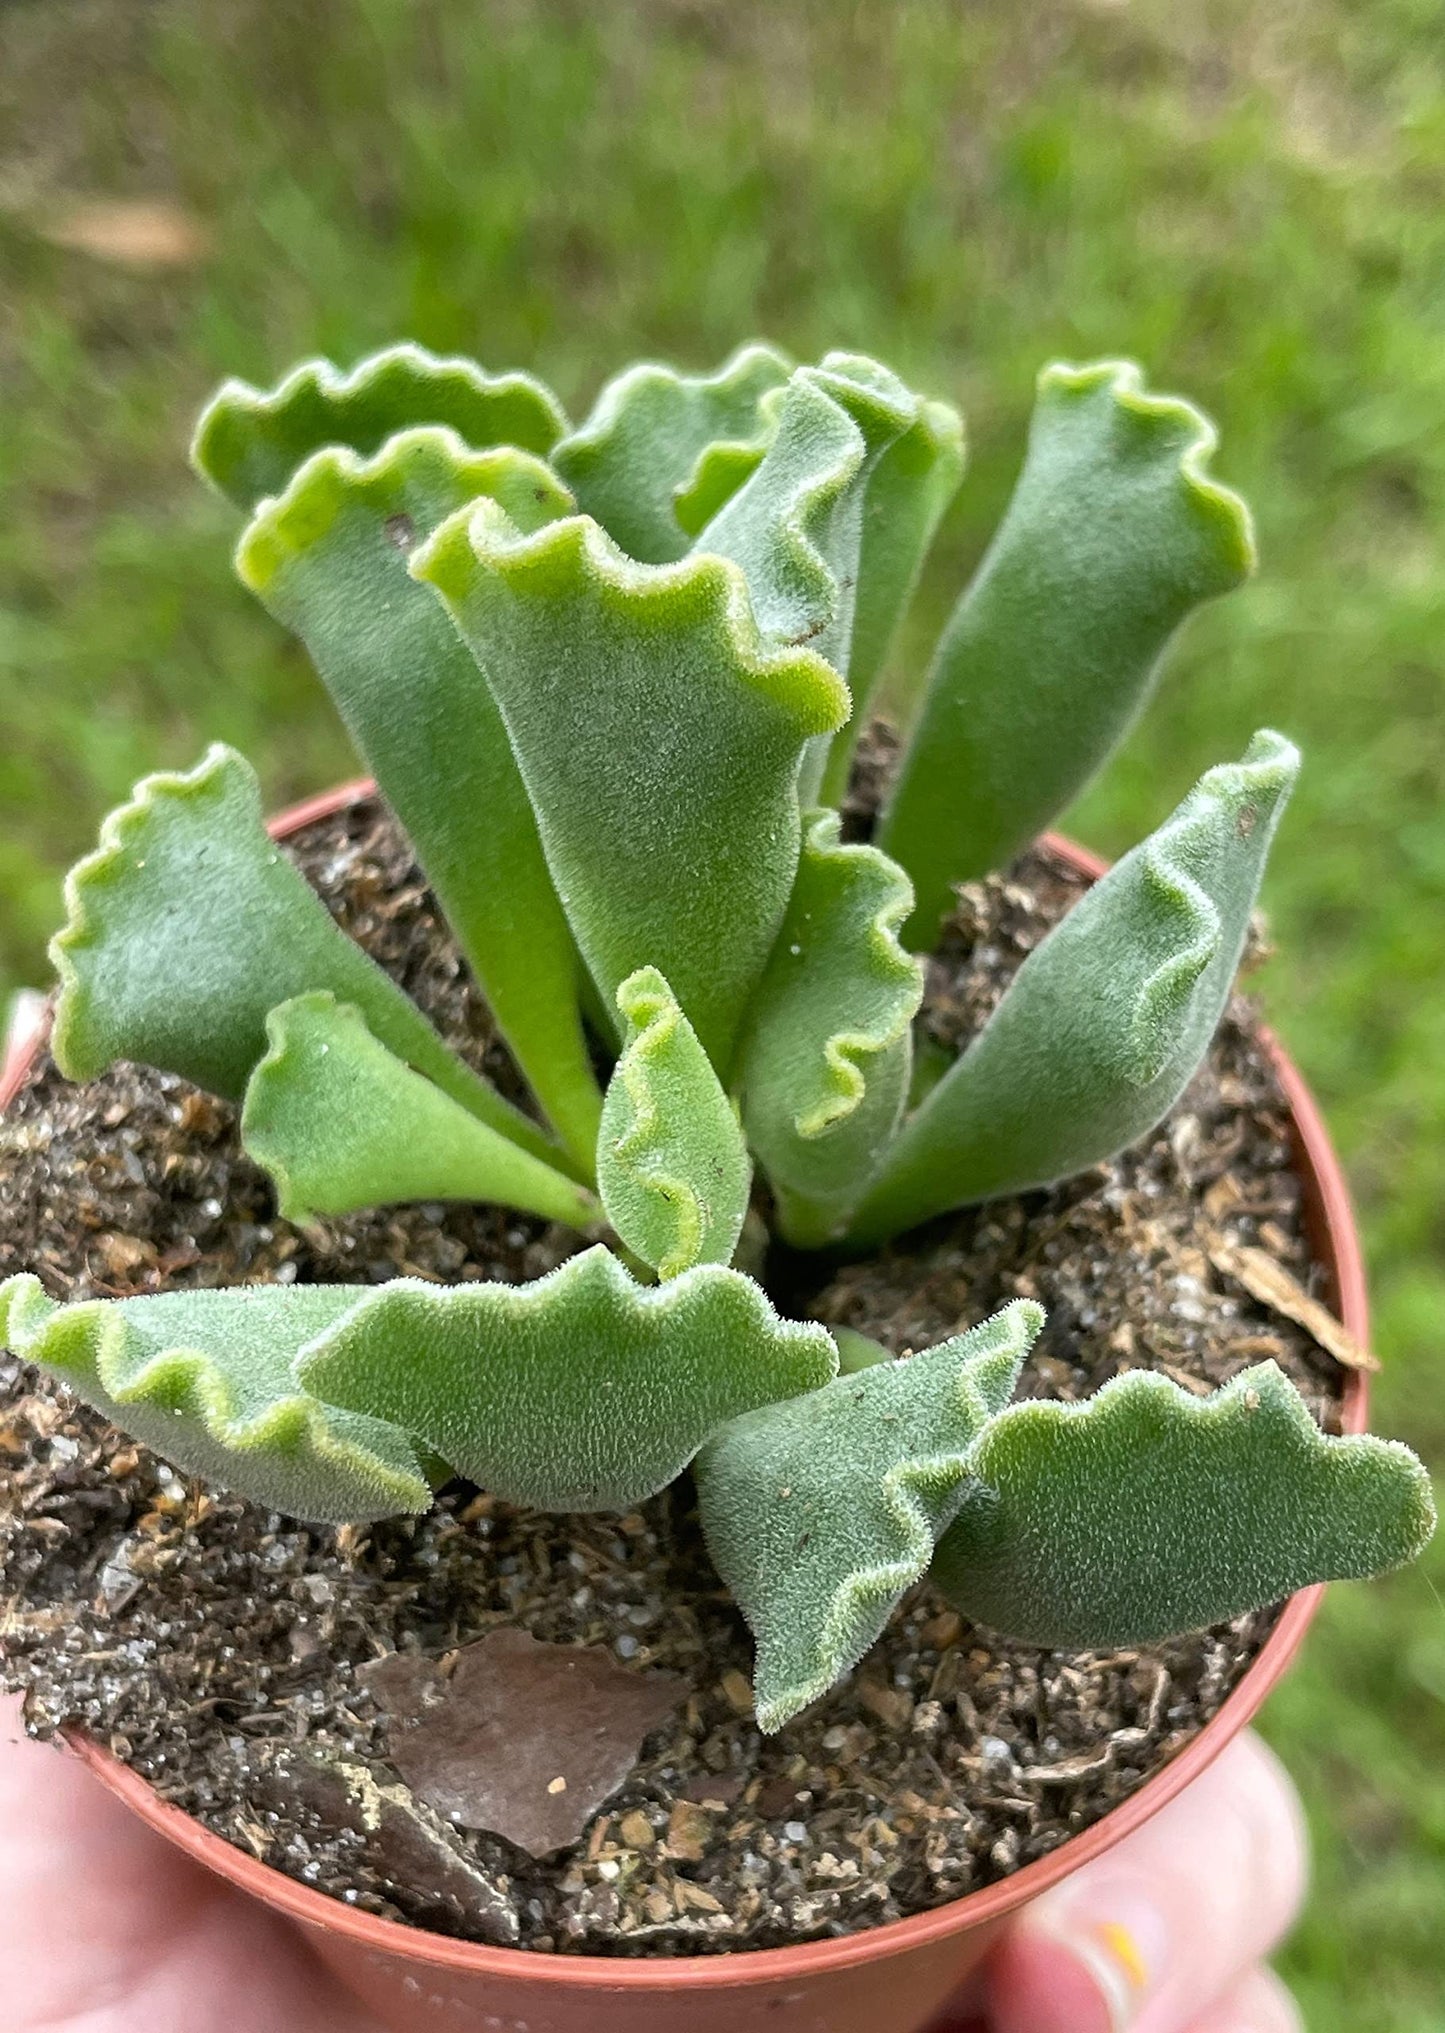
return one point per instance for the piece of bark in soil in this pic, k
(405, 1842)
(522, 1739)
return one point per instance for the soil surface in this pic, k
(230, 1655)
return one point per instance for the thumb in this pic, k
(1150, 1936)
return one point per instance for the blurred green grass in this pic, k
(1250, 201)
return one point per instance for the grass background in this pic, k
(1250, 200)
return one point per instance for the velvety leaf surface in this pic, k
(826, 1059)
(205, 1378)
(1106, 1021)
(329, 559)
(340, 1123)
(662, 451)
(908, 490)
(249, 441)
(1147, 1511)
(659, 741)
(1115, 531)
(671, 1162)
(820, 1512)
(584, 1391)
(188, 925)
(523, 1739)
(796, 526)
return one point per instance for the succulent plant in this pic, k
(609, 680)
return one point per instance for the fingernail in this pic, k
(1116, 1933)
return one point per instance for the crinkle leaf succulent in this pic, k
(826, 1060)
(610, 680)
(341, 1123)
(820, 1511)
(1103, 1025)
(662, 451)
(659, 738)
(249, 441)
(189, 924)
(1146, 1510)
(329, 558)
(584, 1391)
(1115, 531)
(208, 1380)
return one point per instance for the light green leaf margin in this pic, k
(249, 441)
(820, 1512)
(341, 1123)
(1116, 530)
(671, 1162)
(1106, 1021)
(1147, 1511)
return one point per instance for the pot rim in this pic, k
(1330, 1217)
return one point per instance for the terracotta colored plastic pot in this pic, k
(890, 1979)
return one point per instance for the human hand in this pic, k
(104, 1926)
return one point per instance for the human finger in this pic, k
(1147, 1937)
(1260, 2004)
(106, 1925)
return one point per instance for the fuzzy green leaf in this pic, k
(329, 559)
(820, 1512)
(662, 451)
(908, 491)
(1106, 1021)
(659, 742)
(340, 1123)
(823, 528)
(825, 1063)
(205, 1379)
(249, 441)
(796, 526)
(671, 1161)
(582, 1392)
(1146, 1511)
(188, 925)
(1115, 532)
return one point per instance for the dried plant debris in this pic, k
(251, 1668)
(520, 1738)
(1266, 1279)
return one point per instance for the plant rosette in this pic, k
(710, 1051)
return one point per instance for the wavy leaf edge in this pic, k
(999, 1343)
(594, 434)
(846, 383)
(1266, 771)
(795, 680)
(1262, 1383)
(536, 1187)
(1125, 380)
(338, 385)
(285, 524)
(30, 1318)
(845, 1048)
(592, 1276)
(649, 1005)
(91, 874)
